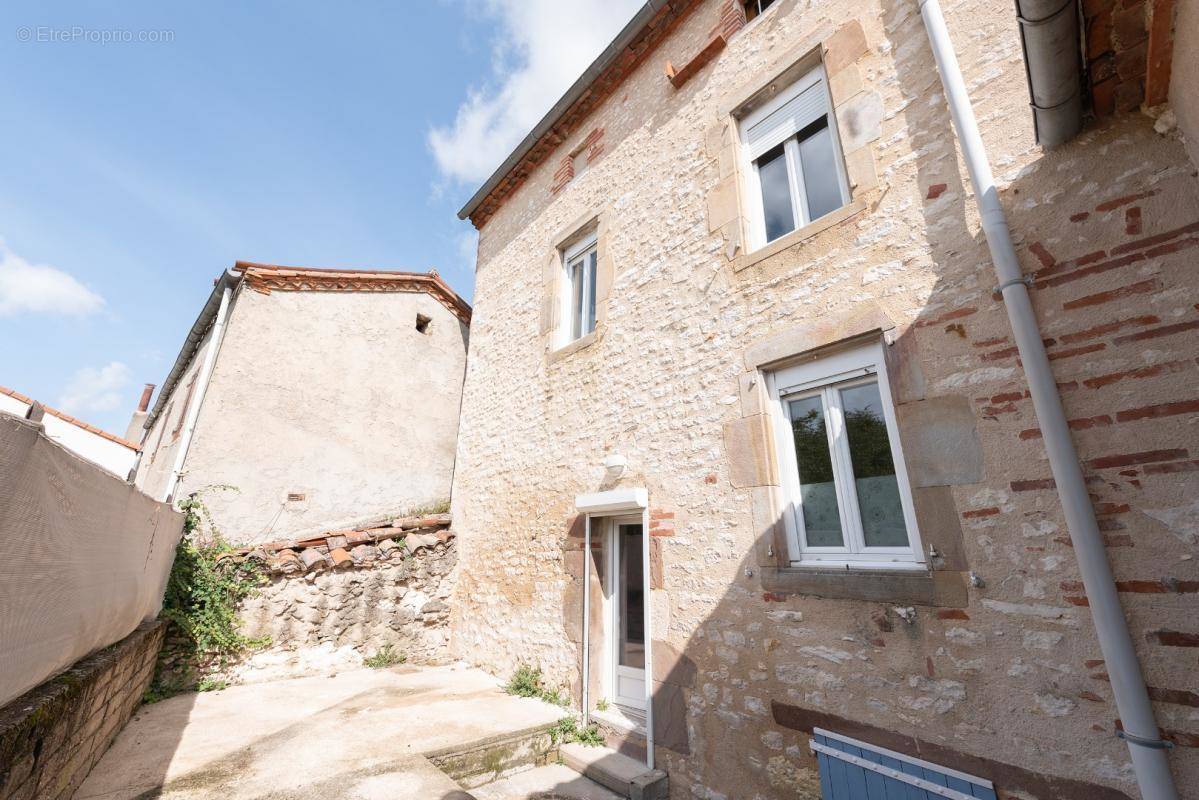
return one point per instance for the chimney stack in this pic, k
(144, 403)
(135, 432)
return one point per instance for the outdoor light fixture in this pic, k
(615, 465)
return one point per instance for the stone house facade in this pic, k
(333, 395)
(657, 348)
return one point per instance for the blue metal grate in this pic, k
(854, 770)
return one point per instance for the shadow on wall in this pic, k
(1003, 681)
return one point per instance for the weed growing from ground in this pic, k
(527, 681)
(567, 730)
(385, 656)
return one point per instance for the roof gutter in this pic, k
(1049, 34)
(228, 279)
(627, 34)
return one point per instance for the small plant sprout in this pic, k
(385, 656)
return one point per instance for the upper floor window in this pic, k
(755, 7)
(848, 502)
(578, 297)
(794, 167)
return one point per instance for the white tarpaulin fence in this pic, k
(84, 557)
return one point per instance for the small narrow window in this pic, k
(422, 323)
(794, 160)
(848, 499)
(579, 264)
(755, 7)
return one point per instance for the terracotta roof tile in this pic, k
(351, 548)
(267, 278)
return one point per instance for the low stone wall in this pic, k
(393, 592)
(51, 736)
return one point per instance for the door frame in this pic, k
(612, 618)
(618, 502)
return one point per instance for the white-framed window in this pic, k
(578, 289)
(847, 501)
(793, 162)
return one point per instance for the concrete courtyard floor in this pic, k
(362, 734)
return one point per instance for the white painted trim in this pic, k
(823, 377)
(882, 751)
(586, 618)
(785, 134)
(648, 610)
(613, 500)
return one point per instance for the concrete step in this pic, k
(489, 759)
(621, 732)
(551, 782)
(626, 776)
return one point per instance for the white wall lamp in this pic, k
(615, 466)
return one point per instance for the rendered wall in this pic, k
(332, 395)
(161, 444)
(113, 456)
(1008, 672)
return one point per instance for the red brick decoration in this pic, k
(644, 43)
(1129, 46)
(564, 174)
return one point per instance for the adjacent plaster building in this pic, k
(315, 396)
(736, 326)
(113, 453)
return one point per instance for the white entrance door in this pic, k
(626, 601)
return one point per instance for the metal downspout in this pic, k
(1049, 34)
(193, 412)
(1140, 731)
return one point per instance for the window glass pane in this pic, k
(873, 467)
(590, 304)
(818, 493)
(819, 163)
(632, 599)
(776, 193)
(576, 302)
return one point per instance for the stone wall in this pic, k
(1005, 668)
(329, 617)
(51, 736)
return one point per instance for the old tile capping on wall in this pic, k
(359, 590)
(51, 736)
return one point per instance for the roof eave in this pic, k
(627, 34)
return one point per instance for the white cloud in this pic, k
(95, 390)
(40, 288)
(541, 47)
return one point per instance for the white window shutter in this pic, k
(787, 120)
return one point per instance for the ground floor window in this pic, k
(848, 502)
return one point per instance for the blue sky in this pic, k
(305, 133)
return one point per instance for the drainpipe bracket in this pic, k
(1025, 279)
(1152, 744)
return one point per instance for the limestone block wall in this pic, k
(1000, 676)
(53, 735)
